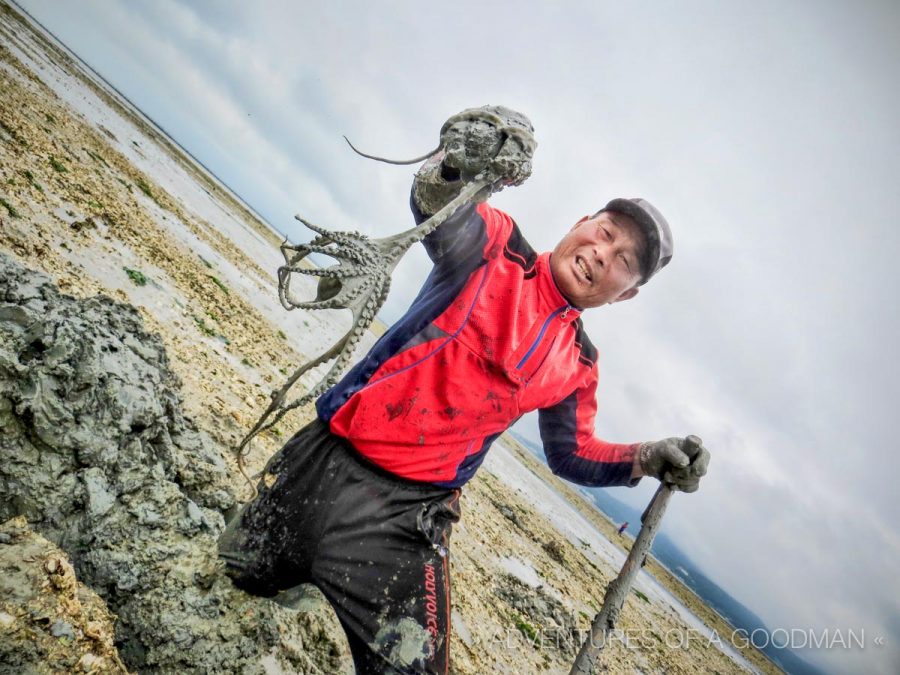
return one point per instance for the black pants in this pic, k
(375, 544)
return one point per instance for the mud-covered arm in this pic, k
(461, 236)
(573, 450)
(460, 243)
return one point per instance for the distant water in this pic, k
(676, 561)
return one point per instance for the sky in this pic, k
(766, 133)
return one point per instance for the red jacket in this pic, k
(488, 338)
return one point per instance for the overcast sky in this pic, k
(766, 132)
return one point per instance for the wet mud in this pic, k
(49, 622)
(97, 455)
(538, 608)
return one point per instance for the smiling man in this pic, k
(606, 256)
(364, 497)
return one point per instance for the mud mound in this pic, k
(49, 622)
(96, 454)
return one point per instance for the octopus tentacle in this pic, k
(361, 277)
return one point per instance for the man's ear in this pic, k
(627, 295)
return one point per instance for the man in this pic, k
(362, 500)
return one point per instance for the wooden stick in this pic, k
(605, 621)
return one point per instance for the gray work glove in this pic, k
(679, 462)
(492, 142)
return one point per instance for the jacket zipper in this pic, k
(564, 310)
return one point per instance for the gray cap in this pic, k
(659, 236)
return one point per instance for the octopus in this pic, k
(483, 149)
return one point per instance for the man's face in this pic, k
(598, 261)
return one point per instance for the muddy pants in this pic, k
(375, 544)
